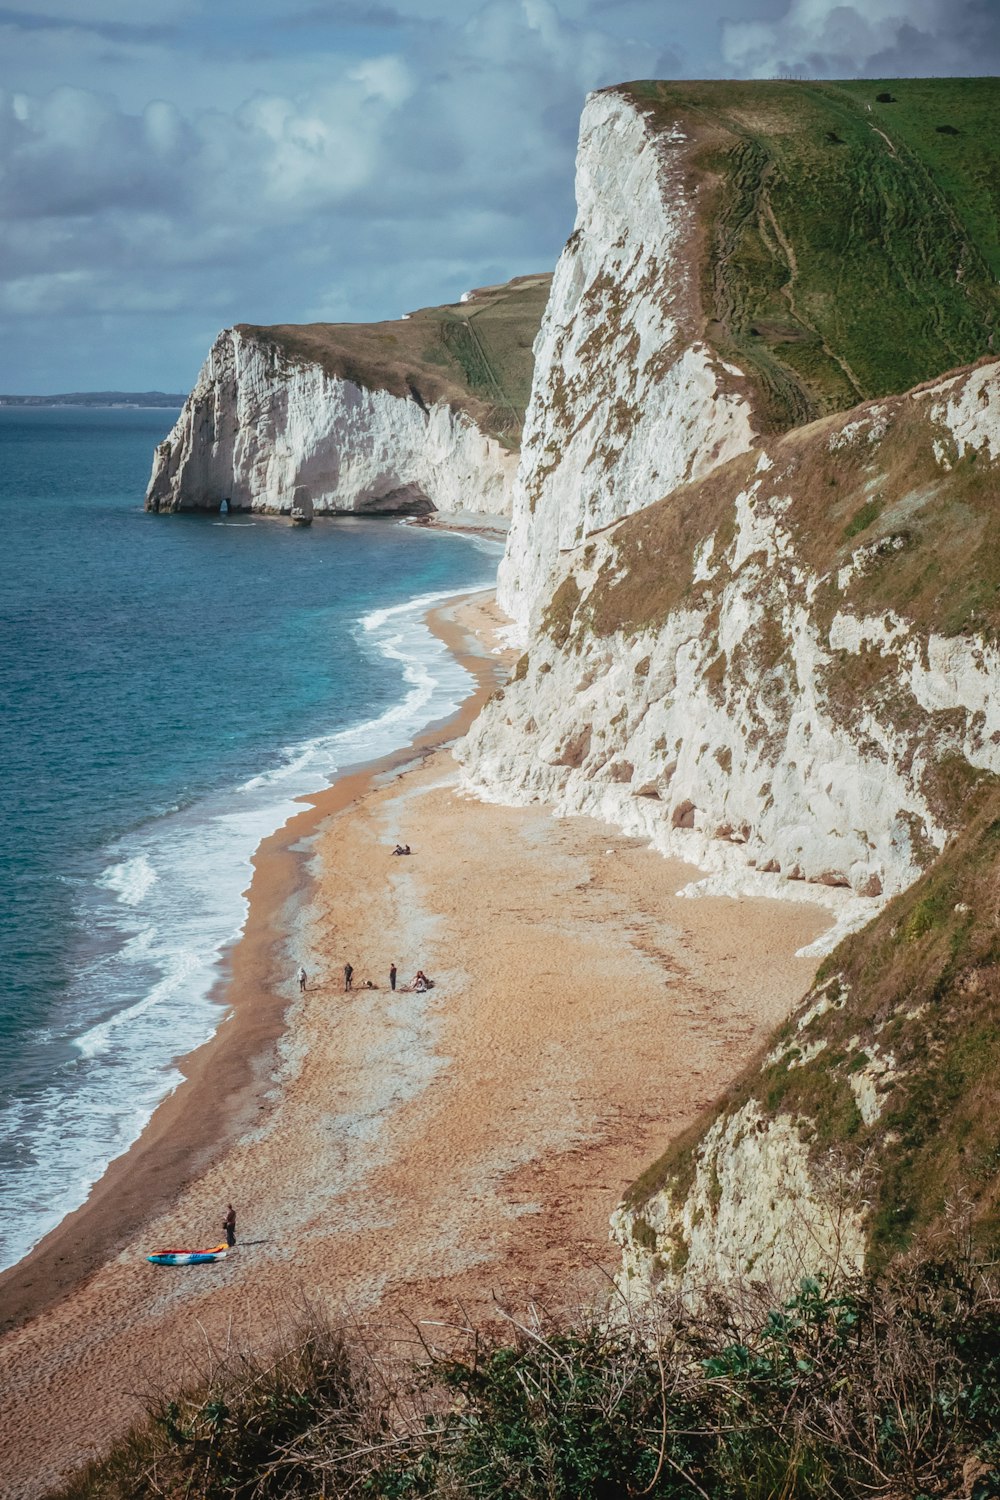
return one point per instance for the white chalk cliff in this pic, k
(627, 400)
(717, 658)
(262, 431)
(732, 729)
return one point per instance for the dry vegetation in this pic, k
(882, 1389)
(869, 483)
(476, 356)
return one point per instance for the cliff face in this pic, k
(257, 428)
(725, 673)
(754, 1201)
(419, 414)
(786, 673)
(737, 269)
(628, 401)
(761, 614)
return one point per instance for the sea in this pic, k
(168, 686)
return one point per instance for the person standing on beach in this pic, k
(348, 975)
(392, 976)
(229, 1225)
(301, 976)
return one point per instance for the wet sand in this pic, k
(401, 1154)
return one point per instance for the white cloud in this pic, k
(828, 38)
(164, 174)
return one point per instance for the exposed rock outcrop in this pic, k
(628, 400)
(759, 1206)
(724, 674)
(259, 426)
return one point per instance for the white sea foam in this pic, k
(170, 901)
(131, 879)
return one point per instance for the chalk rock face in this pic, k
(627, 401)
(758, 1199)
(722, 675)
(787, 674)
(758, 1207)
(258, 427)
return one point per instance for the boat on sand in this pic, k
(187, 1257)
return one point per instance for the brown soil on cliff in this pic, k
(475, 355)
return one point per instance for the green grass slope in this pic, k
(849, 247)
(474, 355)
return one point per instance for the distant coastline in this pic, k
(149, 399)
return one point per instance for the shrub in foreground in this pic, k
(868, 1389)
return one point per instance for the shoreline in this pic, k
(396, 1156)
(184, 1135)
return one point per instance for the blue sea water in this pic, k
(167, 686)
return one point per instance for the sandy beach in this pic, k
(397, 1154)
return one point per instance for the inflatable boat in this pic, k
(187, 1257)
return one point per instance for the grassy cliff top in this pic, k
(475, 355)
(850, 232)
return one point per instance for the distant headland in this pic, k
(97, 398)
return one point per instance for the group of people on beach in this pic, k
(418, 984)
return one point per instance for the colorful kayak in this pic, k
(188, 1257)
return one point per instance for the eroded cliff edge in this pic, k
(788, 674)
(409, 417)
(760, 618)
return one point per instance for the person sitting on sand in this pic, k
(421, 982)
(401, 849)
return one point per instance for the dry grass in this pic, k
(476, 356)
(881, 1389)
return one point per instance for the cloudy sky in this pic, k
(172, 167)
